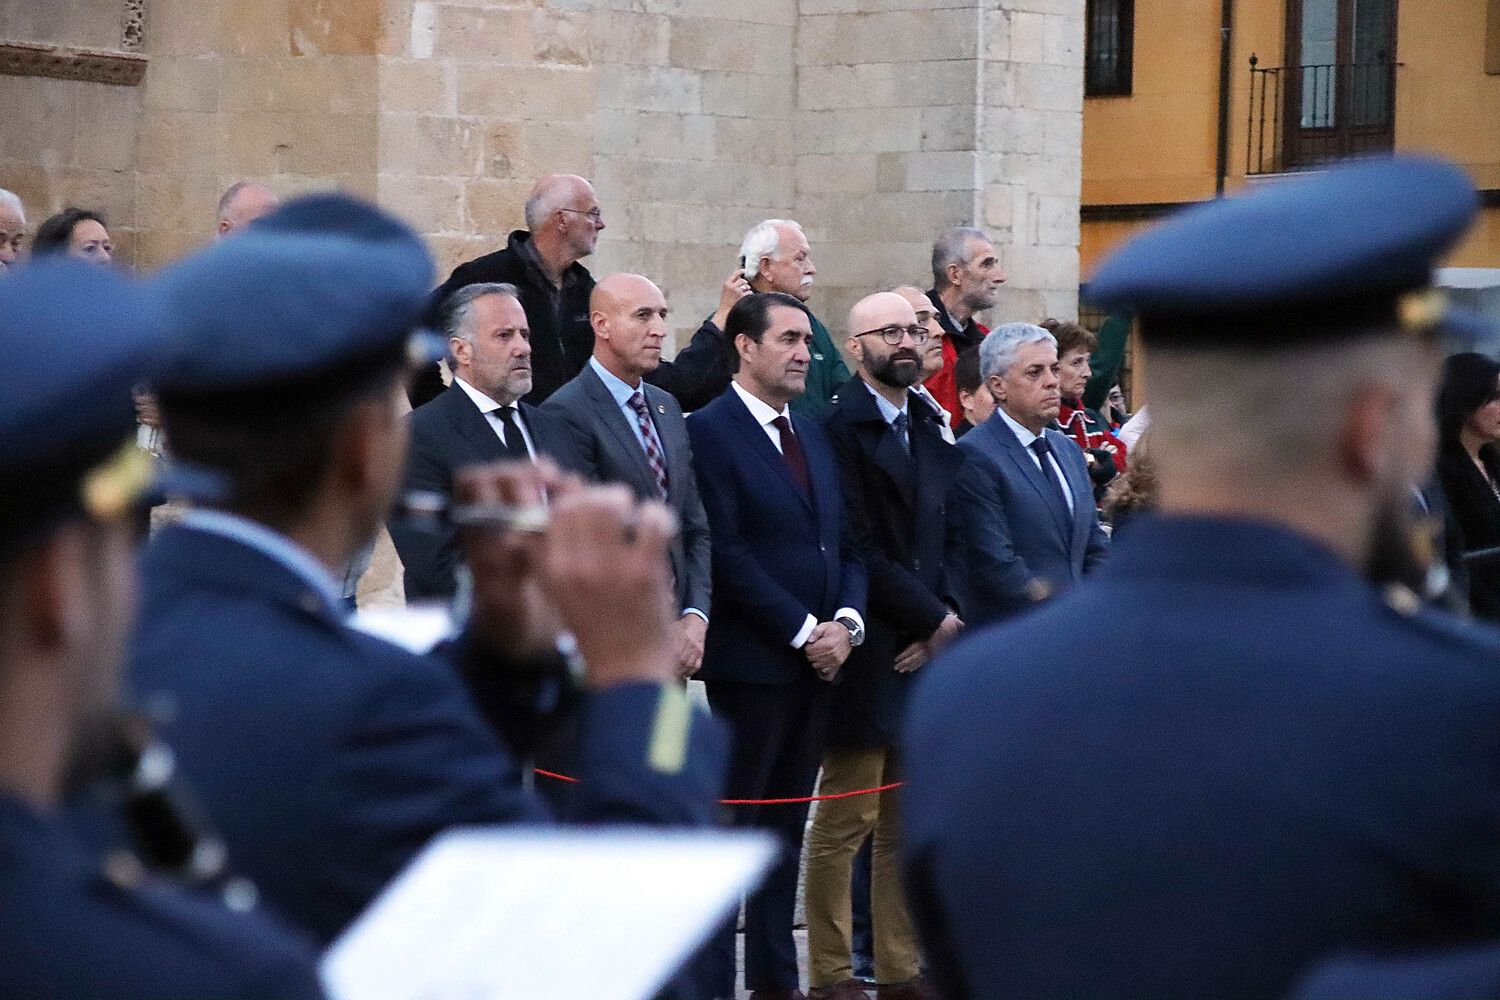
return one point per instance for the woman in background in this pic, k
(1468, 405)
(76, 232)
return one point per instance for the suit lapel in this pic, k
(1083, 494)
(474, 426)
(608, 411)
(893, 460)
(760, 443)
(1022, 458)
(673, 441)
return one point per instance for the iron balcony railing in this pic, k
(1303, 116)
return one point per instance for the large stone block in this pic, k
(187, 83)
(896, 130)
(655, 134)
(650, 88)
(249, 29)
(182, 142)
(333, 27)
(743, 95)
(628, 36)
(561, 37)
(836, 173)
(493, 208)
(557, 93)
(418, 86)
(887, 85)
(559, 147)
(429, 145)
(429, 204)
(183, 27)
(181, 204)
(731, 46)
(754, 141)
(889, 36)
(494, 35)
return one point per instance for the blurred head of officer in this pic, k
(69, 482)
(287, 405)
(489, 340)
(1307, 307)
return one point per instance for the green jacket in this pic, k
(824, 376)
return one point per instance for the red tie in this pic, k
(791, 450)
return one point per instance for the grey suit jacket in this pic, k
(606, 447)
(1014, 545)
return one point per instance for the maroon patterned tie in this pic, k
(655, 454)
(791, 450)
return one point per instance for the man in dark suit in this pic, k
(895, 469)
(326, 756)
(481, 417)
(1026, 526)
(789, 595)
(626, 431)
(1273, 759)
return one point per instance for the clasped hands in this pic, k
(918, 653)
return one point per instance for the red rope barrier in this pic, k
(759, 802)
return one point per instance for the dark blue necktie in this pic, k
(1042, 450)
(900, 425)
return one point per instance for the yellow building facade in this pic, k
(1176, 111)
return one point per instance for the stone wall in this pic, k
(877, 123)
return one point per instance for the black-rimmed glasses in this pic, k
(592, 213)
(892, 334)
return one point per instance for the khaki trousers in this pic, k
(839, 828)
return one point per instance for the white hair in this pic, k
(11, 199)
(997, 351)
(764, 240)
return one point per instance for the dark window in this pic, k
(1108, 47)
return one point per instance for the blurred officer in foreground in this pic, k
(1279, 759)
(72, 925)
(328, 757)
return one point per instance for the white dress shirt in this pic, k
(1026, 437)
(764, 414)
(488, 407)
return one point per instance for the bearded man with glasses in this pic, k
(894, 467)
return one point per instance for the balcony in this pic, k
(1306, 116)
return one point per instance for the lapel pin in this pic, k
(661, 408)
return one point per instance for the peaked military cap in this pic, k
(327, 287)
(76, 339)
(1308, 258)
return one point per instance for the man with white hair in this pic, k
(12, 228)
(777, 258)
(1023, 503)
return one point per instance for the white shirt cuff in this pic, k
(694, 611)
(801, 638)
(850, 613)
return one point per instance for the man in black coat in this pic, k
(895, 468)
(543, 261)
(481, 417)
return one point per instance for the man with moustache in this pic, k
(480, 418)
(789, 595)
(895, 468)
(777, 258)
(1282, 758)
(627, 431)
(1023, 504)
(966, 276)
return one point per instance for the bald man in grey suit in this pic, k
(627, 431)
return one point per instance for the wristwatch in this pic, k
(856, 630)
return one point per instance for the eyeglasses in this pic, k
(892, 334)
(592, 213)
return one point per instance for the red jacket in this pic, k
(1088, 428)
